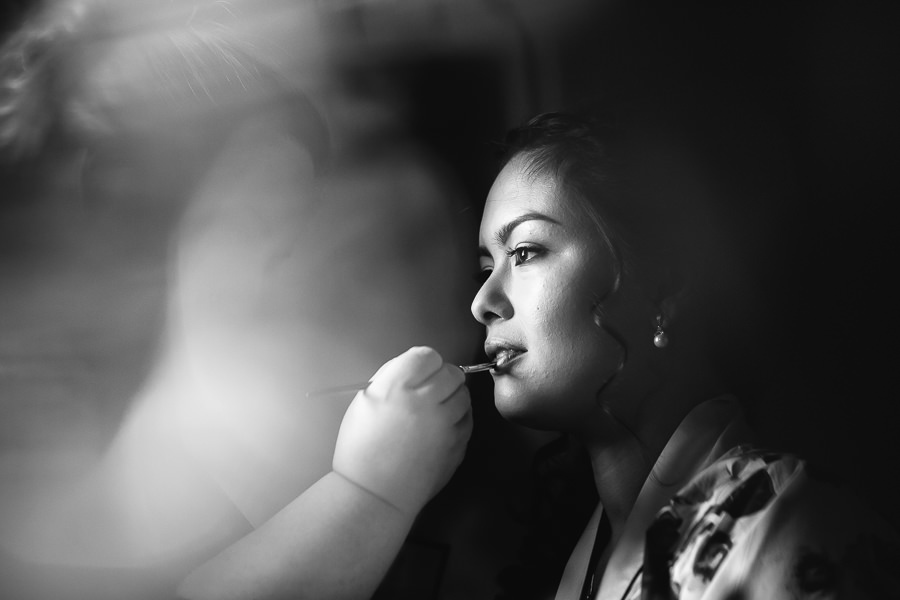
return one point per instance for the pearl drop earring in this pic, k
(660, 338)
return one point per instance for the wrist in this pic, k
(406, 512)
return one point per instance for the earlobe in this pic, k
(671, 295)
(660, 337)
(668, 306)
(667, 309)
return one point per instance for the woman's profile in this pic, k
(603, 311)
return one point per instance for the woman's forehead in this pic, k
(516, 190)
(519, 191)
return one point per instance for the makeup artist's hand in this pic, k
(403, 437)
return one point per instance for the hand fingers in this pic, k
(442, 384)
(458, 405)
(410, 368)
(465, 426)
(463, 430)
(421, 363)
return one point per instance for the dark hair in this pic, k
(594, 167)
(649, 204)
(571, 151)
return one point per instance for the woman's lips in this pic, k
(504, 356)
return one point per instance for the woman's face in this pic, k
(546, 268)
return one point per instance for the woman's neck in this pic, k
(628, 438)
(623, 452)
(619, 474)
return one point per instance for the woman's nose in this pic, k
(491, 302)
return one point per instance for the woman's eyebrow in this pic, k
(503, 232)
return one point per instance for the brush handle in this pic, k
(478, 368)
(356, 387)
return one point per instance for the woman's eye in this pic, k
(523, 254)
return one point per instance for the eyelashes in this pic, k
(523, 253)
(520, 255)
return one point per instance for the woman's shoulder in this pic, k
(797, 529)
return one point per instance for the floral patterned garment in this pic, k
(757, 525)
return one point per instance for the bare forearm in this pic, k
(335, 541)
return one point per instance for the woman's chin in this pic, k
(507, 395)
(518, 409)
(508, 405)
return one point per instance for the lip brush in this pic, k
(355, 387)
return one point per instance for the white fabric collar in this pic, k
(706, 433)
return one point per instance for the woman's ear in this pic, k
(672, 293)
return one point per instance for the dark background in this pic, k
(794, 109)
